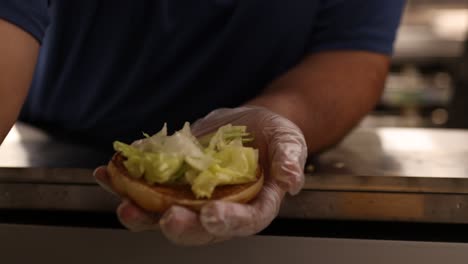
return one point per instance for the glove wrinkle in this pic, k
(182, 227)
(225, 219)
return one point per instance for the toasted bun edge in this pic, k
(159, 198)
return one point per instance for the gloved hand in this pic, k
(282, 152)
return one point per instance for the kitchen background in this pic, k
(428, 84)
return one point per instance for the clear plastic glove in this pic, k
(283, 154)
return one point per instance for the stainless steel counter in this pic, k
(386, 174)
(391, 174)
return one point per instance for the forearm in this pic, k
(327, 94)
(18, 53)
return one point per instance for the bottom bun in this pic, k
(159, 197)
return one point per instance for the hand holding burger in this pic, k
(211, 210)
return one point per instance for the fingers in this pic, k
(135, 219)
(130, 215)
(178, 224)
(183, 227)
(102, 178)
(219, 221)
(100, 174)
(225, 219)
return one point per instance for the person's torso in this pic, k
(111, 69)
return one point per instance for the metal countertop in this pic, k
(384, 174)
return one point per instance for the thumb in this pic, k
(287, 151)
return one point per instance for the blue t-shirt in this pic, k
(110, 69)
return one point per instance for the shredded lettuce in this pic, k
(236, 165)
(216, 159)
(156, 167)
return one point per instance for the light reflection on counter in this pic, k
(400, 152)
(405, 140)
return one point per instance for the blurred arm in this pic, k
(327, 94)
(18, 56)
